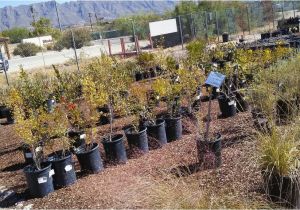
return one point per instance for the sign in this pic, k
(215, 79)
(158, 28)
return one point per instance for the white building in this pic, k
(39, 41)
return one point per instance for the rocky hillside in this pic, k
(77, 12)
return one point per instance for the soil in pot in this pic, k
(173, 128)
(137, 139)
(63, 168)
(158, 131)
(89, 160)
(138, 76)
(282, 189)
(115, 149)
(227, 106)
(212, 149)
(39, 182)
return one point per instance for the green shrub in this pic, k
(16, 34)
(26, 49)
(82, 38)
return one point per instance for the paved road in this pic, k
(54, 57)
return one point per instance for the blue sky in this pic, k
(4, 3)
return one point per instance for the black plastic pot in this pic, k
(63, 168)
(115, 149)
(28, 156)
(137, 139)
(8, 114)
(105, 117)
(241, 104)
(39, 182)
(89, 160)
(283, 189)
(227, 106)
(286, 108)
(173, 128)
(78, 138)
(158, 131)
(138, 76)
(214, 146)
(2, 108)
(225, 37)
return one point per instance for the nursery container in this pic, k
(283, 189)
(78, 137)
(39, 182)
(286, 108)
(28, 156)
(173, 128)
(50, 105)
(158, 131)
(146, 74)
(138, 138)
(214, 146)
(63, 168)
(138, 76)
(2, 108)
(225, 37)
(227, 106)
(152, 72)
(89, 160)
(115, 149)
(8, 114)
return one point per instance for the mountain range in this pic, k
(77, 12)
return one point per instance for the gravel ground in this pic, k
(139, 183)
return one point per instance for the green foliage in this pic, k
(197, 51)
(16, 34)
(26, 49)
(43, 27)
(279, 152)
(82, 38)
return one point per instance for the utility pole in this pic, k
(294, 9)
(58, 20)
(74, 46)
(32, 13)
(282, 4)
(248, 19)
(217, 26)
(90, 16)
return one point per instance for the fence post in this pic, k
(137, 44)
(191, 26)
(122, 47)
(206, 26)
(248, 20)
(74, 46)
(217, 26)
(151, 42)
(180, 28)
(109, 47)
(273, 16)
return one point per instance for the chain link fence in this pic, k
(131, 35)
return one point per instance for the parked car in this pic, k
(3, 63)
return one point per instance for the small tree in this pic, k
(16, 34)
(82, 38)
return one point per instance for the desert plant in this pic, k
(26, 49)
(82, 38)
(170, 90)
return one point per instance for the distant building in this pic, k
(39, 41)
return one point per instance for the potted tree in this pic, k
(170, 90)
(32, 126)
(109, 78)
(207, 143)
(61, 160)
(279, 160)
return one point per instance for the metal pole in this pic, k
(282, 9)
(133, 28)
(90, 16)
(248, 19)
(58, 20)
(74, 46)
(294, 9)
(228, 22)
(206, 29)
(180, 28)
(32, 12)
(217, 26)
(191, 26)
(273, 16)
